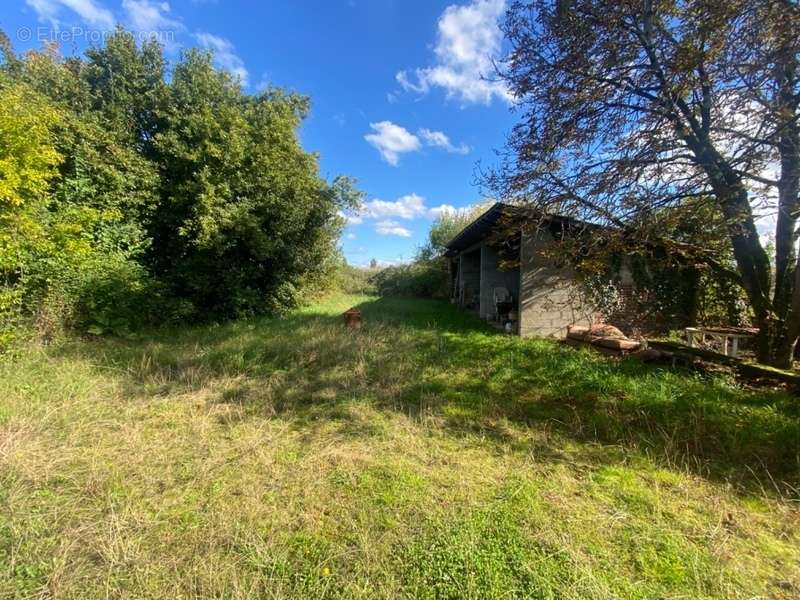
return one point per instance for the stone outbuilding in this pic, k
(508, 274)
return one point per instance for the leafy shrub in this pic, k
(129, 198)
(418, 280)
(722, 302)
(10, 314)
(354, 280)
(244, 223)
(100, 294)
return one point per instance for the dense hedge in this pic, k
(130, 198)
(417, 280)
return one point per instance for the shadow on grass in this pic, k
(422, 314)
(425, 358)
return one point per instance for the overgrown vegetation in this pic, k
(428, 275)
(129, 198)
(415, 280)
(354, 280)
(422, 456)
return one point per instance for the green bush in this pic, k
(355, 280)
(416, 280)
(10, 314)
(101, 294)
(131, 198)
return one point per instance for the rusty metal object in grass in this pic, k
(352, 318)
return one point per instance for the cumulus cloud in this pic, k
(351, 219)
(389, 227)
(88, 11)
(392, 140)
(467, 41)
(148, 16)
(409, 206)
(439, 139)
(224, 55)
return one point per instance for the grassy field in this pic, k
(423, 456)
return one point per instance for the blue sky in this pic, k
(399, 101)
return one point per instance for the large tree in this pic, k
(155, 197)
(244, 218)
(631, 107)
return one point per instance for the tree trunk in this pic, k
(785, 301)
(793, 321)
(775, 343)
(776, 340)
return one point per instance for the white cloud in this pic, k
(408, 85)
(89, 12)
(351, 219)
(148, 16)
(382, 264)
(46, 10)
(225, 55)
(264, 83)
(764, 202)
(439, 139)
(392, 140)
(438, 211)
(351, 236)
(409, 206)
(468, 39)
(390, 227)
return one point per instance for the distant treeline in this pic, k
(130, 197)
(427, 276)
(414, 280)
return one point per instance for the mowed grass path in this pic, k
(423, 456)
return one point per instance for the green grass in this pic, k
(423, 456)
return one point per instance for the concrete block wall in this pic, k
(492, 277)
(550, 298)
